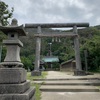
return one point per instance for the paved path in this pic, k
(70, 96)
(59, 78)
(64, 75)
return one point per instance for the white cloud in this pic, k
(77, 3)
(39, 11)
(88, 16)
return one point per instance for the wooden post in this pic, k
(86, 64)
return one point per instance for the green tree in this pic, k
(5, 13)
(93, 47)
(27, 62)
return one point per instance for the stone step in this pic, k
(70, 82)
(57, 79)
(69, 88)
(73, 82)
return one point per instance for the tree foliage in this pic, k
(27, 63)
(5, 13)
(93, 47)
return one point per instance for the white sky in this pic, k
(56, 11)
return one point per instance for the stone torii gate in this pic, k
(74, 34)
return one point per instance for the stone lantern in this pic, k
(13, 83)
(13, 44)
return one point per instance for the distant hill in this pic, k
(29, 41)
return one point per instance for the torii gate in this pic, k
(68, 34)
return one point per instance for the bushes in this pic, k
(27, 61)
(93, 47)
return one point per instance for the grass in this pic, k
(37, 86)
(43, 76)
(38, 92)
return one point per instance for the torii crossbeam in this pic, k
(56, 25)
(68, 34)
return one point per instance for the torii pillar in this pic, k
(78, 70)
(37, 71)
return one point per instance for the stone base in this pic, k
(11, 64)
(89, 73)
(14, 88)
(79, 73)
(12, 75)
(28, 95)
(36, 73)
(13, 85)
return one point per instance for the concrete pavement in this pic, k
(68, 75)
(70, 96)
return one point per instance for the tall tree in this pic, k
(5, 13)
(93, 47)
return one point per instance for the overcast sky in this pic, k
(56, 11)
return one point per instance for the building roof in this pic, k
(66, 62)
(50, 59)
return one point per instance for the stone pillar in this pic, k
(13, 82)
(37, 71)
(78, 70)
